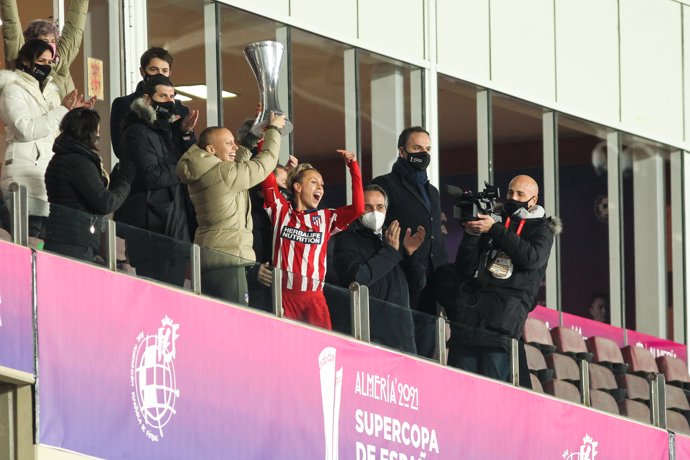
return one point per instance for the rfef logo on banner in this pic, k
(154, 387)
(587, 451)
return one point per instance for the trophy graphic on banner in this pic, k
(331, 385)
(264, 59)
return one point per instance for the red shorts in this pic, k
(307, 306)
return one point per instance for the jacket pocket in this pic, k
(507, 317)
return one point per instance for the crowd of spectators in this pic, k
(247, 212)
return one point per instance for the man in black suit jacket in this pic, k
(414, 202)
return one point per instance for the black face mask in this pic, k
(164, 110)
(40, 72)
(418, 160)
(512, 206)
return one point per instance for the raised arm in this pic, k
(347, 214)
(12, 35)
(242, 175)
(70, 41)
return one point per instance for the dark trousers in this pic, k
(38, 226)
(424, 315)
(74, 251)
(227, 283)
(490, 362)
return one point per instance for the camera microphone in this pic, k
(453, 191)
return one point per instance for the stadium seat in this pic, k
(537, 364)
(564, 367)
(674, 369)
(601, 378)
(569, 341)
(635, 410)
(562, 390)
(676, 399)
(675, 421)
(604, 401)
(537, 334)
(640, 361)
(636, 387)
(606, 352)
(536, 384)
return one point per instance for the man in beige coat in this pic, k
(219, 175)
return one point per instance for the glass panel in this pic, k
(518, 148)
(393, 326)
(385, 94)
(184, 39)
(457, 109)
(582, 166)
(517, 139)
(312, 301)
(318, 105)
(155, 256)
(646, 175)
(76, 234)
(234, 279)
(239, 29)
(92, 66)
(479, 351)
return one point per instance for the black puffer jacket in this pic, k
(122, 106)
(361, 256)
(156, 201)
(78, 192)
(476, 298)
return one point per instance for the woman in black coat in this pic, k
(80, 191)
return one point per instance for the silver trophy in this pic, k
(264, 59)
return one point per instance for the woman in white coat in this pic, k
(31, 109)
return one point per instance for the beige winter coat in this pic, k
(220, 193)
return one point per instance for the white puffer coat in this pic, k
(32, 121)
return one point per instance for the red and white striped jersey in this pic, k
(300, 238)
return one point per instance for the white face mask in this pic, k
(373, 220)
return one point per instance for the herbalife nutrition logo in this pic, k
(331, 385)
(154, 388)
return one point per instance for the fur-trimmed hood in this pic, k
(556, 225)
(26, 81)
(143, 111)
(7, 77)
(538, 212)
(146, 113)
(535, 212)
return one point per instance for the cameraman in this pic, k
(495, 280)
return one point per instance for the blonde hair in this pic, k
(297, 174)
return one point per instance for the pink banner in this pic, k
(547, 315)
(658, 347)
(130, 369)
(682, 447)
(591, 328)
(16, 310)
